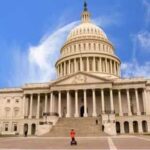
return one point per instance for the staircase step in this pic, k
(82, 126)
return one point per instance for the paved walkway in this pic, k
(113, 143)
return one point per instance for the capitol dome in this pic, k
(88, 49)
(87, 29)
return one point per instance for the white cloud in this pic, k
(38, 63)
(104, 21)
(144, 40)
(134, 69)
(43, 56)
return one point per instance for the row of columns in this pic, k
(86, 47)
(94, 113)
(104, 65)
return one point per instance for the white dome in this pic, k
(87, 29)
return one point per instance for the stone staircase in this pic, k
(83, 127)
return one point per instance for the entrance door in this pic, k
(25, 129)
(33, 129)
(82, 111)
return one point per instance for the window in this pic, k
(8, 101)
(17, 100)
(79, 47)
(84, 46)
(74, 47)
(89, 46)
(16, 112)
(94, 46)
(6, 127)
(7, 112)
(15, 127)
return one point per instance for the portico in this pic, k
(96, 101)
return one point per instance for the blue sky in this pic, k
(33, 31)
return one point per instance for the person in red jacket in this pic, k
(72, 135)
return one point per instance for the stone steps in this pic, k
(82, 126)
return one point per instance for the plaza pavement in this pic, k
(88, 143)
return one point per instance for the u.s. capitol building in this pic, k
(88, 88)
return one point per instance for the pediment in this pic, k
(80, 78)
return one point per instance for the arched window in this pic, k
(99, 47)
(79, 47)
(144, 126)
(126, 127)
(103, 48)
(7, 112)
(135, 126)
(84, 46)
(94, 46)
(16, 111)
(89, 46)
(74, 47)
(87, 30)
(118, 127)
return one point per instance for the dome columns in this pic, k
(91, 64)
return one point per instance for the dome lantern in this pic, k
(85, 14)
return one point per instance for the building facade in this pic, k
(88, 84)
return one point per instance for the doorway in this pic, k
(33, 129)
(82, 111)
(26, 129)
(135, 126)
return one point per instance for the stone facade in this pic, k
(88, 85)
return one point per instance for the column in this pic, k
(85, 104)
(69, 67)
(24, 106)
(114, 67)
(51, 102)
(45, 109)
(31, 103)
(111, 67)
(111, 101)
(130, 127)
(61, 69)
(145, 101)
(137, 102)
(120, 103)
(38, 107)
(81, 65)
(100, 64)
(68, 104)
(128, 102)
(106, 66)
(140, 127)
(76, 104)
(103, 102)
(88, 66)
(94, 103)
(64, 67)
(121, 127)
(94, 64)
(59, 104)
(75, 65)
